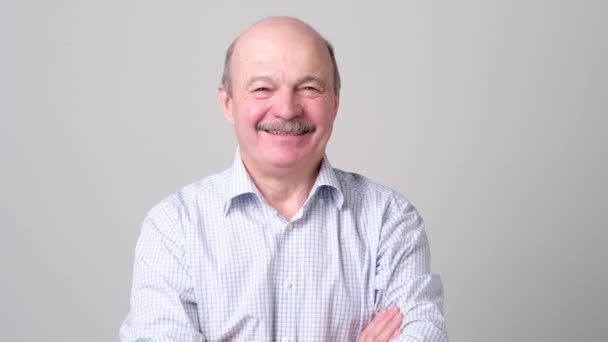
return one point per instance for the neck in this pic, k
(287, 189)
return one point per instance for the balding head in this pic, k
(275, 27)
(280, 93)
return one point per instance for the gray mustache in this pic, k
(291, 126)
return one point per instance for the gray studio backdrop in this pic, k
(490, 116)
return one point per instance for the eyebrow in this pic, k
(317, 80)
(259, 79)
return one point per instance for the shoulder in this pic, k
(360, 190)
(189, 198)
(383, 212)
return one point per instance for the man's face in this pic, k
(283, 103)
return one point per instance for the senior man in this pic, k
(281, 246)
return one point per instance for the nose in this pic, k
(287, 105)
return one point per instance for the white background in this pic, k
(490, 116)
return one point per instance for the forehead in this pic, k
(280, 52)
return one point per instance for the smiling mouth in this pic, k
(283, 132)
(287, 127)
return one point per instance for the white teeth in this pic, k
(282, 133)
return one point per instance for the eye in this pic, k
(260, 89)
(310, 91)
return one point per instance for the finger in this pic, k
(392, 327)
(380, 322)
(370, 329)
(395, 335)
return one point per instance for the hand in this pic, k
(385, 326)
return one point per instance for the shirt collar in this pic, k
(327, 179)
(241, 183)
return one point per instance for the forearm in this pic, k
(404, 278)
(421, 302)
(162, 306)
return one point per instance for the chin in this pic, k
(285, 162)
(291, 160)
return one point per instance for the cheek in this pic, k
(252, 111)
(321, 113)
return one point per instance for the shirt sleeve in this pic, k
(403, 275)
(163, 307)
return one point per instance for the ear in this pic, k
(225, 103)
(336, 104)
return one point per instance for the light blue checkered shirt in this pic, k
(215, 262)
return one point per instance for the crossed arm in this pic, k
(403, 282)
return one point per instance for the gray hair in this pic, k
(226, 79)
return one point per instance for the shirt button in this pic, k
(288, 285)
(285, 339)
(289, 226)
